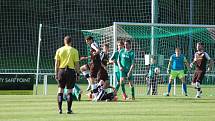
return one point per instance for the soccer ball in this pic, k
(157, 70)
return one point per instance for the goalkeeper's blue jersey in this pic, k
(177, 62)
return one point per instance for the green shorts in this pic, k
(124, 74)
(177, 73)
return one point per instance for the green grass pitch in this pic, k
(144, 108)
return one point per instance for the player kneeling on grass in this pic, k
(76, 94)
(152, 80)
(85, 69)
(176, 69)
(102, 94)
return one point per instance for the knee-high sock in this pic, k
(69, 101)
(169, 88)
(87, 75)
(117, 86)
(60, 100)
(132, 91)
(198, 88)
(123, 87)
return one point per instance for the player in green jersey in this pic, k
(126, 61)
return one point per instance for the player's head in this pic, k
(105, 47)
(120, 45)
(199, 46)
(177, 51)
(67, 40)
(89, 40)
(127, 44)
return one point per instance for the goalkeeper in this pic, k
(176, 69)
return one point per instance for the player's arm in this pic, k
(103, 66)
(130, 70)
(84, 57)
(132, 65)
(186, 63)
(96, 49)
(211, 62)
(119, 60)
(76, 63)
(112, 59)
(194, 61)
(210, 65)
(57, 64)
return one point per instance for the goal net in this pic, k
(166, 38)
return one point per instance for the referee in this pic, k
(66, 71)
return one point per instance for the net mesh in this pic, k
(167, 38)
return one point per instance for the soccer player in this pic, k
(95, 63)
(113, 60)
(85, 69)
(152, 77)
(176, 69)
(200, 61)
(66, 69)
(126, 61)
(103, 74)
(102, 95)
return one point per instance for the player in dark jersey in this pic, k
(200, 61)
(103, 74)
(95, 63)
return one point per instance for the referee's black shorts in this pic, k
(66, 77)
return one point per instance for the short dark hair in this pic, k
(106, 45)
(128, 41)
(89, 38)
(68, 39)
(200, 43)
(121, 42)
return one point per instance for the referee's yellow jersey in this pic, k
(67, 56)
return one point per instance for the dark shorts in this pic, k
(67, 77)
(94, 69)
(198, 76)
(102, 74)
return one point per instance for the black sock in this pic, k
(69, 101)
(60, 100)
(198, 89)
